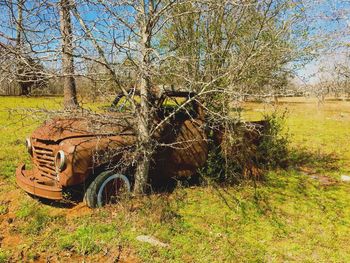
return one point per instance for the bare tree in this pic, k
(19, 43)
(19, 64)
(69, 88)
(147, 14)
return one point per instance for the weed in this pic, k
(88, 239)
(4, 256)
(4, 208)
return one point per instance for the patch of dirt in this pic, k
(80, 209)
(8, 237)
(306, 170)
(107, 257)
(14, 242)
(324, 180)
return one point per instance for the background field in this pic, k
(299, 214)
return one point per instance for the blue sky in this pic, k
(329, 21)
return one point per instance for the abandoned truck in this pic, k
(68, 152)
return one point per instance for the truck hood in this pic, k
(59, 129)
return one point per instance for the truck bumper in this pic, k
(33, 184)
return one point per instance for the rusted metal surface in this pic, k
(56, 130)
(183, 148)
(32, 182)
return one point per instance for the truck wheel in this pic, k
(107, 188)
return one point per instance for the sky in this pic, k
(327, 20)
(321, 69)
(329, 23)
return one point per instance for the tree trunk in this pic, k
(144, 114)
(144, 142)
(19, 27)
(21, 71)
(69, 87)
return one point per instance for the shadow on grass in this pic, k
(299, 162)
(303, 158)
(75, 195)
(338, 99)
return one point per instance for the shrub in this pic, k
(273, 149)
(244, 150)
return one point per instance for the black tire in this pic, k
(92, 196)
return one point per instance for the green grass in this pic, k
(16, 123)
(4, 257)
(290, 216)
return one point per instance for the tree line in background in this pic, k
(223, 50)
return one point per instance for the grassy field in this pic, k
(301, 214)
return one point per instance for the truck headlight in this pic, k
(60, 160)
(29, 146)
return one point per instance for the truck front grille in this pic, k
(45, 161)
